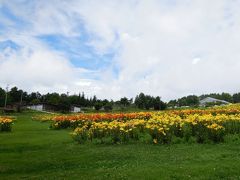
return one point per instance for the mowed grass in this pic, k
(33, 151)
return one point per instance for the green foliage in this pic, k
(236, 98)
(191, 100)
(210, 104)
(2, 97)
(98, 105)
(108, 106)
(147, 102)
(35, 101)
(125, 102)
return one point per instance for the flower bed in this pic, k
(6, 124)
(199, 125)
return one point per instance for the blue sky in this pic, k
(75, 48)
(78, 51)
(120, 48)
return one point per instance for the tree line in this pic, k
(141, 101)
(63, 102)
(193, 100)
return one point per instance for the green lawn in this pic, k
(32, 151)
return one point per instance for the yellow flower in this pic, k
(155, 141)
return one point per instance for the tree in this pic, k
(82, 99)
(94, 100)
(124, 102)
(35, 101)
(236, 98)
(74, 99)
(35, 95)
(163, 105)
(15, 95)
(53, 98)
(172, 103)
(157, 103)
(108, 106)
(192, 100)
(98, 105)
(226, 97)
(2, 97)
(182, 101)
(148, 103)
(140, 101)
(64, 104)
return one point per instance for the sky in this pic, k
(112, 48)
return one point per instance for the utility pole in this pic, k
(19, 107)
(21, 98)
(6, 97)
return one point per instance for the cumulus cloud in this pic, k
(165, 48)
(196, 60)
(41, 70)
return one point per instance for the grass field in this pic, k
(32, 151)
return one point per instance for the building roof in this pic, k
(212, 100)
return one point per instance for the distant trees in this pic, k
(108, 106)
(140, 101)
(63, 102)
(53, 98)
(15, 95)
(2, 97)
(125, 102)
(98, 105)
(173, 103)
(193, 100)
(236, 98)
(190, 100)
(226, 97)
(105, 104)
(143, 101)
(158, 104)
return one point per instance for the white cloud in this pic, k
(42, 70)
(196, 60)
(155, 43)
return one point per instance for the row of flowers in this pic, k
(230, 109)
(200, 125)
(76, 120)
(6, 123)
(64, 121)
(161, 128)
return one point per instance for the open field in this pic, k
(32, 151)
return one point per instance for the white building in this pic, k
(37, 107)
(45, 107)
(207, 100)
(75, 109)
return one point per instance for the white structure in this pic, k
(44, 107)
(207, 100)
(75, 109)
(38, 107)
